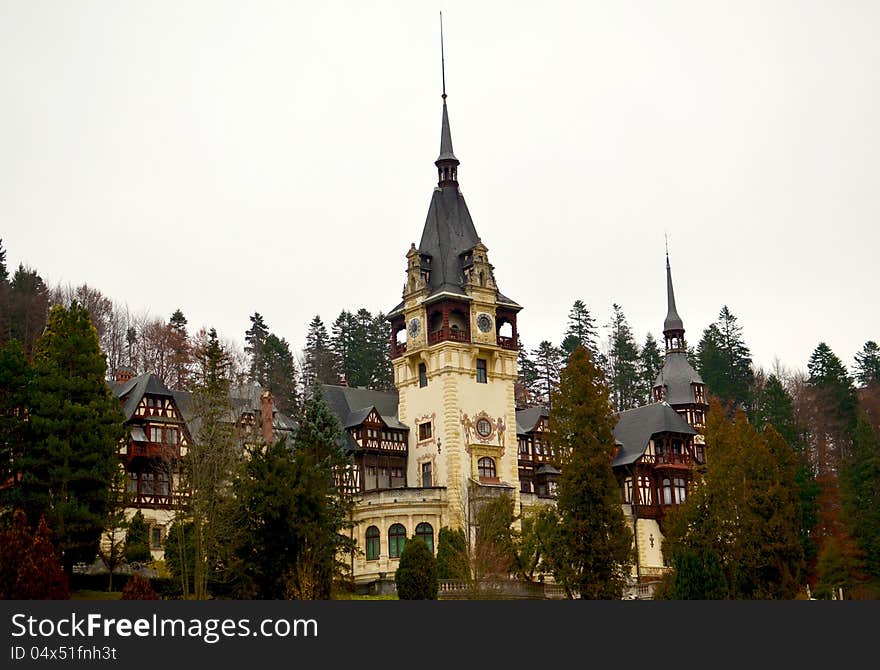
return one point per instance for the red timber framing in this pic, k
(380, 456)
(534, 451)
(152, 451)
(502, 317)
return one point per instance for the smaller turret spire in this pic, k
(673, 327)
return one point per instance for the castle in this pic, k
(451, 435)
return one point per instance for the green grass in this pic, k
(96, 595)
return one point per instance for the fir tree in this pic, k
(382, 376)
(320, 363)
(548, 361)
(76, 423)
(181, 358)
(868, 364)
(724, 361)
(4, 272)
(180, 554)
(28, 306)
(581, 330)
(416, 575)
(651, 365)
(527, 387)
(452, 554)
(343, 345)
(627, 388)
(591, 552)
(255, 338)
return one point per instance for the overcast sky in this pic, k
(231, 157)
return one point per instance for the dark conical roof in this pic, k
(449, 232)
(446, 153)
(673, 320)
(678, 376)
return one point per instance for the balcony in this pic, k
(678, 461)
(508, 343)
(449, 335)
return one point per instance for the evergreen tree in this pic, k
(868, 364)
(495, 546)
(382, 377)
(15, 379)
(112, 547)
(697, 577)
(210, 460)
(591, 552)
(320, 363)
(724, 361)
(4, 272)
(452, 554)
(627, 387)
(742, 512)
(416, 575)
(860, 494)
(5, 289)
(76, 423)
(581, 330)
(28, 306)
(137, 540)
(181, 357)
(255, 338)
(527, 387)
(651, 365)
(280, 370)
(772, 405)
(835, 400)
(180, 554)
(342, 344)
(548, 361)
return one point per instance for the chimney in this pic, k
(267, 413)
(123, 375)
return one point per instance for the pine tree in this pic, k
(5, 289)
(868, 364)
(548, 361)
(591, 553)
(181, 358)
(416, 575)
(342, 344)
(382, 376)
(724, 361)
(4, 272)
(76, 424)
(625, 379)
(581, 330)
(255, 337)
(320, 363)
(651, 365)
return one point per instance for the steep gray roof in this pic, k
(133, 390)
(677, 375)
(446, 153)
(636, 426)
(242, 399)
(673, 320)
(352, 405)
(449, 232)
(527, 419)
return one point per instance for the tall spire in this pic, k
(673, 327)
(447, 163)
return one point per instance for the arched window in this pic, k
(486, 467)
(426, 532)
(396, 540)
(372, 543)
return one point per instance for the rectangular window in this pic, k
(156, 537)
(423, 375)
(427, 476)
(155, 434)
(425, 431)
(481, 371)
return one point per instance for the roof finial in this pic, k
(666, 240)
(442, 58)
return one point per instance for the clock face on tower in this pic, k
(414, 326)
(484, 322)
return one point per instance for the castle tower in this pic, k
(678, 383)
(454, 352)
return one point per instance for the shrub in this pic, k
(138, 588)
(416, 576)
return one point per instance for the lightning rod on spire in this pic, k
(442, 58)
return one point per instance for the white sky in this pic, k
(232, 157)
